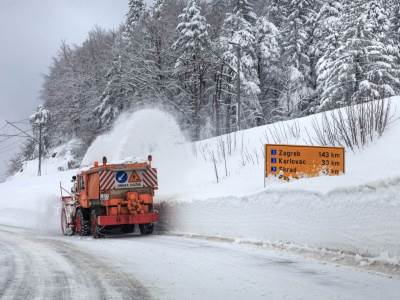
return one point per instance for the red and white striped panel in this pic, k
(149, 177)
(107, 180)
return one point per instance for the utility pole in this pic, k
(239, 58)
(40, 150)
(33, 138)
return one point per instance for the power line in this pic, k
(12, 135)
(23, 131)
(22, 121)
(28, 135)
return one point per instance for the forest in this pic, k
(222, 65)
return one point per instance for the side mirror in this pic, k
(73, 178)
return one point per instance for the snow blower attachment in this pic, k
(110, 197)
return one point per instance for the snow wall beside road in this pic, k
(361, 220)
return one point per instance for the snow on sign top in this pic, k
(292, 161)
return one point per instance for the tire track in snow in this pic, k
(34, 268)
(7, 267)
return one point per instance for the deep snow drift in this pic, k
(358, 212)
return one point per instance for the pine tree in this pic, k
(296, 35)
(245, 9)
(115, 97)
(328, 25)
(381, 72)
(299, 53)
(276, 12)
(136, 11)
(394, 30)
(361, 69)
(192, 32)
(395, 24)
(191, 66)
(238, 31)
(327, 32)
(378, 20)
(268, 55)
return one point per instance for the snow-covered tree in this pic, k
(395, 23)
(245, 9)
(192, 33)
(328, 25)
(39, 121)
(74, 84)
(377, 20)
(191, 66)
(39, 118)
(328, 32)
(114, 98)
(276, 11)
(127, 66)
(237, 32)
(362, 68)
(296, 35)
(268, 56)
(299, 53)
(137, 9)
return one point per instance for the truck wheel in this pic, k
(66, 230)
(94, 227)
(146, 228)
(81, 225)
(128, 228)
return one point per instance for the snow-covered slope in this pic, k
(358, 212)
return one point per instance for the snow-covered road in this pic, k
(45, 266)
(34, 267)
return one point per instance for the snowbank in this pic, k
(34, 202)
(361, 220)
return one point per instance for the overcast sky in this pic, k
(31, 32)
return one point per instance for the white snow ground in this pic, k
(357, 213)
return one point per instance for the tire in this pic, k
(94, 227)
(82, 227)
(146, 228)
(128, 228)
(66, 230)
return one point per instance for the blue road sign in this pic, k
(121, 177)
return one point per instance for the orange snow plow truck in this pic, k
(110, 197)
